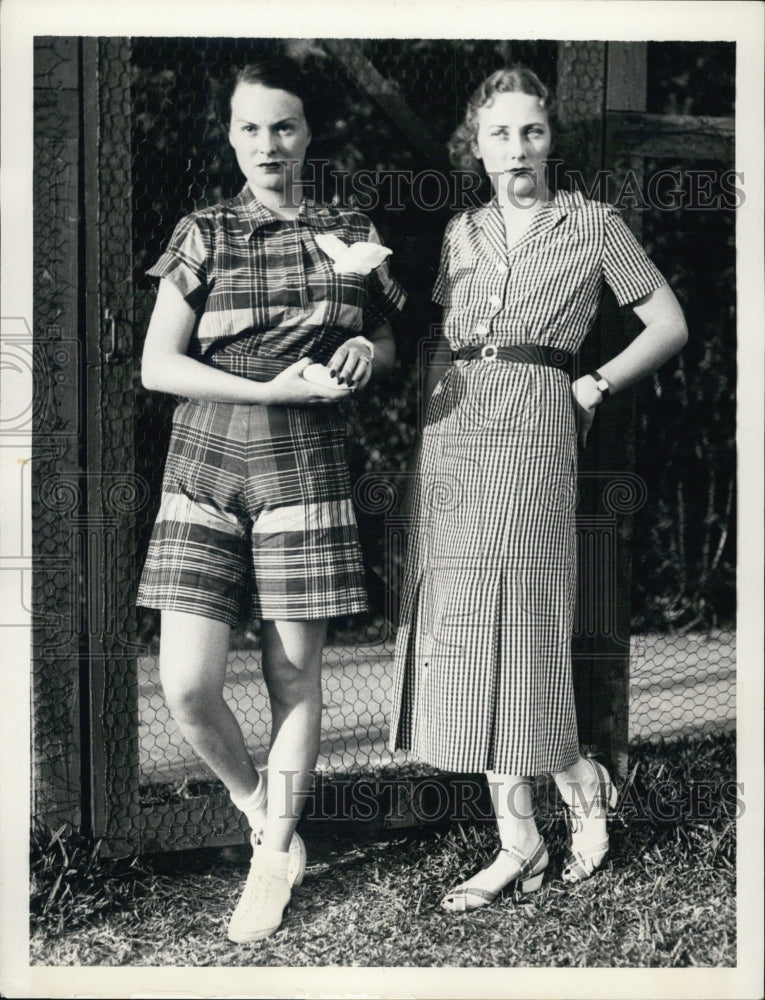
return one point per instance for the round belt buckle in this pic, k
(489, 352)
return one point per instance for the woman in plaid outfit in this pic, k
(255, 496)
(483, 663)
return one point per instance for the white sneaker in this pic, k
(258, 913)
(297, 852)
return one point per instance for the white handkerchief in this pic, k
(358, 258)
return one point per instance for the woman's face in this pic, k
(269, 135)
(513, 141)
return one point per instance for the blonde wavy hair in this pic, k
(516, 79)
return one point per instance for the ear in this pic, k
(474, 150)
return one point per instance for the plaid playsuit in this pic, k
(256, 499)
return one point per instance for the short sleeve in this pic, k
(627, 269)
(186, 261)
(442, 288)
(385, 297)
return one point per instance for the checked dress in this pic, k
(256, 499)
(483, 657)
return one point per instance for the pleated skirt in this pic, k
(483, 657)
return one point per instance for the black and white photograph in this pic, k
(382, 441)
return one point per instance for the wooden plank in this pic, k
(626, 76)
(56, 746)
(56, 62)
(56, 112)
(349, 54)
(613, 447)
(672, 136)
(592, 76)
(601, 703)
(109, 528)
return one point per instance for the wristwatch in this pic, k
(601, 384)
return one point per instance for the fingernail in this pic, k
(340, 381)
(332, 372)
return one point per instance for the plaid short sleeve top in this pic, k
(265, 295)
(548, 287)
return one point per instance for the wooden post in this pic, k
(113, 491)
(57, 751)
(593, 78)
(614, 439)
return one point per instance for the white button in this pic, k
(481, 330)
(501, 268)
(495, 301)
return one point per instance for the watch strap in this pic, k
(601, 383)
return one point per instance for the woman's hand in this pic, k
(664, 335)
(351, 363)
(289, 388)
(587, 397)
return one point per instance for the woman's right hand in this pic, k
(587, 398)
(289, 388)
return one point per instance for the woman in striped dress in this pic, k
(256, 515)
(483, 662)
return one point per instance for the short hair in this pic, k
(516, 79)
(277, 72)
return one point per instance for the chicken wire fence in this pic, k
(389, 108)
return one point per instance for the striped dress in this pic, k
(483, 657)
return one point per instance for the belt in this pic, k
(529, 354)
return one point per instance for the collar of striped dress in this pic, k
(489, 218)
(252, 214)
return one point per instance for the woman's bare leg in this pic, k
(292, 670)
(192, 666)
(514, 809)
(588, 804)
(520, 840)
(578, 784)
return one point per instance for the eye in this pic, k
(249, 128)
(286, 129)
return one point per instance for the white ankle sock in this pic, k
(253, 805)
(274, 862)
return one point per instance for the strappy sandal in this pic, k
(528, 878)
(579, 865)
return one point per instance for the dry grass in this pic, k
(665, 898)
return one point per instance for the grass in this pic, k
(665, 898)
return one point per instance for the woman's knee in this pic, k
(190, 699)
(192, 665)
(292, 660)
(291, 684)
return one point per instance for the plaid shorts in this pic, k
(255, 504)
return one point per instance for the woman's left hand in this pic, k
(352, 363)
(587, 397)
